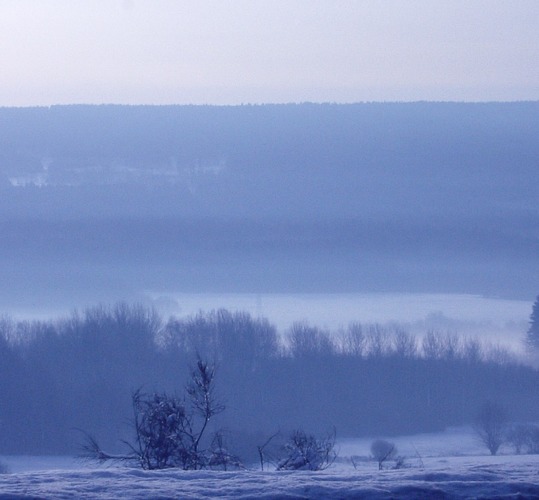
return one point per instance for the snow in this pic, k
(451, 478)
(431, 472)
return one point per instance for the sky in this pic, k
(259, 51)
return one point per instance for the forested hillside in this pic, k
(429, 197)
(273, 160)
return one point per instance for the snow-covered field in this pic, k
(446, 465)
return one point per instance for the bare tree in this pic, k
(533, 440)
(404, 344)
(432, 345)
(382, 451)
(378, 341)
(472, 350)
(353, 340)
(309, 341)
(451, 346)
(307, 452)
(524, 438)
(438, 345)
(517, 436)
(490, 425)
(498, 354)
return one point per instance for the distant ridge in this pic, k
(300, 160)
(414, 197)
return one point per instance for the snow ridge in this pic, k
(442, 477)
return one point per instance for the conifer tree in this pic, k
(532, 337)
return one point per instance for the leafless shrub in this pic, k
(400, 462)
(219, 456)
(169, 430)
(307, 452)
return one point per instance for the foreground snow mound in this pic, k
(482, 477)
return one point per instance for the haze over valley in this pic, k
(102, 203)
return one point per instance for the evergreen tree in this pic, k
(532, 338)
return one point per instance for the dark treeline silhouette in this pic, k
(79, 372)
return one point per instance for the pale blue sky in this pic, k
(234, 51)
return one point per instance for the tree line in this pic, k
(80, 372)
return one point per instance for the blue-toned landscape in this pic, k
(272, 249)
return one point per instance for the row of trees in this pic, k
(223, 335)
(80, 372)
(257, 338)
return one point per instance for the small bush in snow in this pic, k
(219, 457)
(169, 431)
(307, 452)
